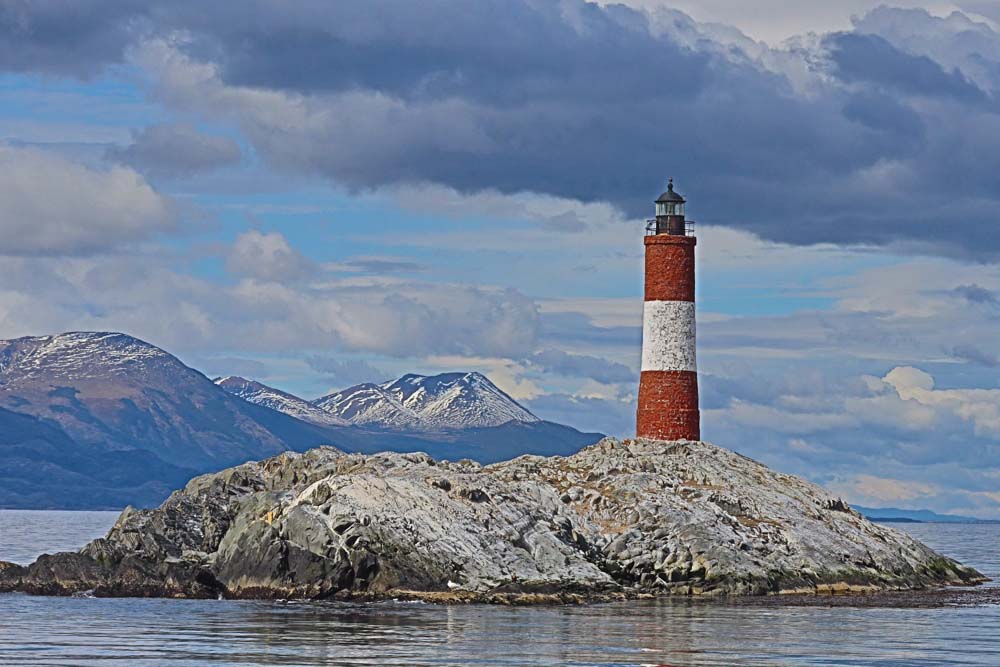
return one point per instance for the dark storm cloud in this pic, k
(884, 113)
(586, 102)
(502, 52)
(872, 59)
(77, 38)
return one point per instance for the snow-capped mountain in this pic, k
(369, 405)
(427, 403)
(99, 420)
(261, 394)
(74, 355)
(112, 393)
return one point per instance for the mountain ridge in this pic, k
(427, 403)
(115, 392)
(276, 399)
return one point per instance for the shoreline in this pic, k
(973, 595)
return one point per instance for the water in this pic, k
(192, 633)
(26, 534)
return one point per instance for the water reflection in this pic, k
(47, 631)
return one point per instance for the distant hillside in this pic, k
(915, 516)
(43, 468)
(95, 420)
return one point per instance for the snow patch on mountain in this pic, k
(261, 394)
(427, 403)
(369, 405)
(74, 355)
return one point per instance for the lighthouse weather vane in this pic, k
(668, 385)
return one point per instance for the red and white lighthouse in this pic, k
(668, 388)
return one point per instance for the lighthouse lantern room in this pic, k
(670, 212)
(668, 387)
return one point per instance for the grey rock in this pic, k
(616, 519)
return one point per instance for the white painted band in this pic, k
(668, 336)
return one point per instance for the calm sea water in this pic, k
(173, 633)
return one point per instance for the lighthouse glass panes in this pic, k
(669, 208)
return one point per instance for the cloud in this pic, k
(904, 400)
(872, 59)
(78, 38)
(346, 372)
(907, 380)
(976, 294)
(376, 264)
(851, 166)
(882, 491)
(222, 366)
(568, 99)
(883, 113)
(52, 206)
(582, 365)
(268, 257)
(602, 415)
(980, 407)
(934, 447)
(957, 41)
(176, 150)
(904, 313)
(975, 355)
(146, 297)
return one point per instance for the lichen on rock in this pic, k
(616, 519)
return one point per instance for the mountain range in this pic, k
(93, 420)
(415, 403)
(894, 514)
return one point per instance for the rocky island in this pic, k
(618, 519)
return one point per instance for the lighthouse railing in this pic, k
(652, 229)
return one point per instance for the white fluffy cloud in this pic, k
(979, 407)
(147, 298)
(52, 206)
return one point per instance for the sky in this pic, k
(318, 194)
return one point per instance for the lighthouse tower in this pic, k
(668, 388)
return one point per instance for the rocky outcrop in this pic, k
(616, 519)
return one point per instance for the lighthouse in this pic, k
(668, 386)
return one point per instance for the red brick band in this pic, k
(668, 406)
(669, 268)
